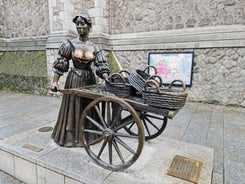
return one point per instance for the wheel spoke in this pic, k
(151, 123)
(100, 116)
(110, 152)
(105, 134)
(95, 141)
(129, 128)
(146, 127)
(126, 135)
(108, 113)
(95, 123)
(116, 117)
(124, 145)
(124, 123)
(102, 148)
(127, 118)
(93, 131)
(118, 151)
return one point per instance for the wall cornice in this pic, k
(56, 38)
(23, 44)
(192, 38)
(208, 37)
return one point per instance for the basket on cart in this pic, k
(138, 78)
(169, 98)
(119, 85)
(122, 125)
(122, 73)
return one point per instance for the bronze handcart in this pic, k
(122, 126)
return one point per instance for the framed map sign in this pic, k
(172, 65)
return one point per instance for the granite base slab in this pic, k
(55, 164)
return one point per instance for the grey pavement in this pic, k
(7, 179)
(193, 130)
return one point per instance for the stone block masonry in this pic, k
(155, 15)
(214, 30)
(218, 74)
(24, 72)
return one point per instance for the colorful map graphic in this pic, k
(171, 66)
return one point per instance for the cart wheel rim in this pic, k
(154, 125)
(114, 148)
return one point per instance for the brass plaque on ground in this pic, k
(32, 147)
(185, 168)
(45, 129)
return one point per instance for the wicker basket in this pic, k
(119, 86)
(171, 99)
(138, 78)
(122, 73)
(157, 78)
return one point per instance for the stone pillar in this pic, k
(61, 13)
(98, 14)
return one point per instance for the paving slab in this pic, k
(234, 145)
(152, 166)
(7, 179)
(55, 164)
(218, 127)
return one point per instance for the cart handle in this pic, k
(178, 80)
(114, 76)
(154, 82)
(150, 66)
(65, 91)
(154, 77)
(151, 81)
(124, 71)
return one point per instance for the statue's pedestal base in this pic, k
(33, 157)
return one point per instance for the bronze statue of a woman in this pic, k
(83, 54)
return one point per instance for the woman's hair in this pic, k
(84, 16)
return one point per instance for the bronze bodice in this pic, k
(83, 56)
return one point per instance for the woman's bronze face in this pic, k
(82, 26)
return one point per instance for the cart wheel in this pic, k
(111, 146)
(154, 125)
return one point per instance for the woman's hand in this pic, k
(105, 76)
(54, 87)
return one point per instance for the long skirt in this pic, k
(67, 128)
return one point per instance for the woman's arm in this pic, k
(61, 65)
(103, 69)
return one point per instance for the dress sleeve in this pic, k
(61, 65)
(101, 64)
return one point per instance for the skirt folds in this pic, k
(67, 128)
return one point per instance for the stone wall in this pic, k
(23, 71)
(206, 27)
(23, 18)
(213, 29)
(61, 13)
(218, 74)
(154, 15)
(23, 27)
